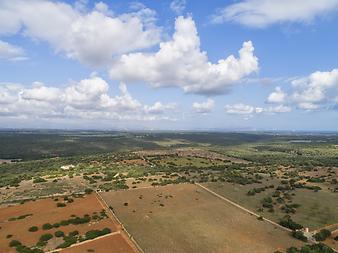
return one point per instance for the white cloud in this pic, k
(262, 13)
(241, 108)
(181, 63)
(318, 88)
(204, 107)
(92, 37)
(278, 96)
(308, 106)
(86, 99)
(245, 110)
(178, 6)
(278, 109)
(159, 108)
(11, 52)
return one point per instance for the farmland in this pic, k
(185, 218)
(32, 221)
(151, 183)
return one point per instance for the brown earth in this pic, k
(45, 211)
(185, 218)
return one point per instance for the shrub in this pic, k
(315, 248)
(33, 229)
(96, 233)
(68, 241)
(39, 180)
(289, 223)
(64, 223)
(45, 237)
(47, 226)
(299, 235)
(88, 191)
(56, 225)
(73, 233)
(14, 243)
(59, 233)
(322, 235)
(59, 204)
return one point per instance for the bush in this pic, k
(299, 235)
(68, 241)
(289, 223)
(322, 235)
(64, 223)
(25, 249)
(88, 191)
(45, 237)
(96, 233)
(47, 226)
(315, 248)
(39, 180)
(59, 204)
(59, 234)
(14, 243)
(73, 233)
(33, 229)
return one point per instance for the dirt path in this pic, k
(242, 208)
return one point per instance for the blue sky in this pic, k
(166, 64)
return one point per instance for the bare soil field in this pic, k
(115, 243)
(45, 211)
(186, 218)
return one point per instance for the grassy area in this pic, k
(317, 209)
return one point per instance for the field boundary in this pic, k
(130, 237)
(241, 207)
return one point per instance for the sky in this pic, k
(169, 65)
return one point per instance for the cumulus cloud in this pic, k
(88, 99)
(204, 107)
(178, 6)
(278, 96)
(318, 88)
(262, 13)
(180, 63)
(92, 37)
(11, 52)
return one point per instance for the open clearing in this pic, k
(45, 211)
(109, 244)
(186, 218)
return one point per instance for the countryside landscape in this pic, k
(170, 192)
(168, 126)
